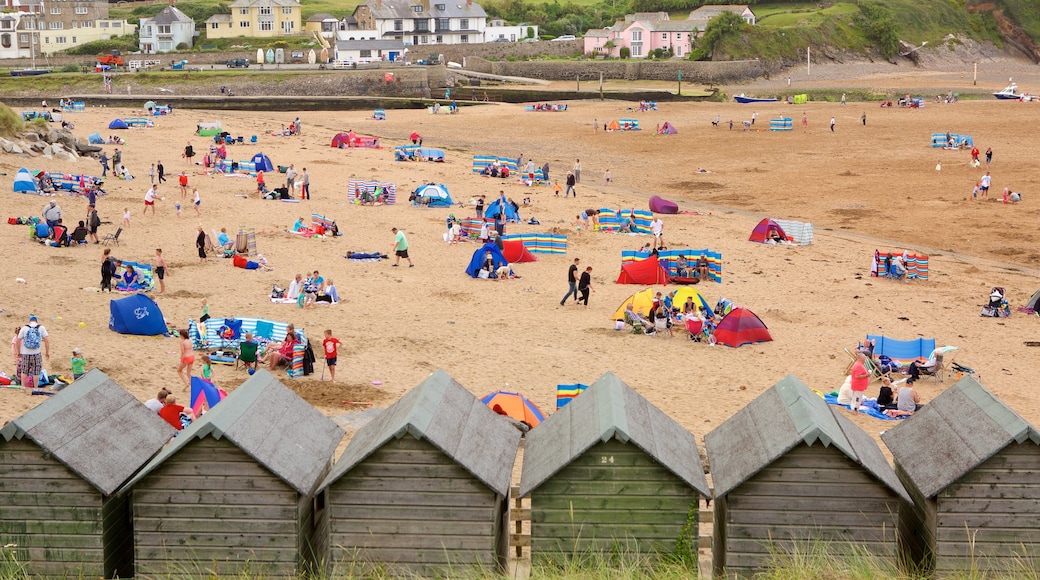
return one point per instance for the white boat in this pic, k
(1009, 93)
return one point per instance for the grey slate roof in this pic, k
(369, 45)
(778, 420)
(271, 424)
(954, 433)
(402, 9)
(96, 428)
(444, 413)
(610, 409)
(322, 17)
(170, 15)
(219, 18)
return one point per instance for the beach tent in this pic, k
(641, 303)
(740, 327)
(95, 139)
(204, 394)
(614, 126)
(1034, 301)
(761, 232)
(680, 295)
(136, 314)
(477, 260)
(667, 129)
(208, 129)
(648, 271)
(118, 124)
(434, 195)
(24, 182)
(379, 115)
(262, 162)
(661, 205)
(493, 210)
(515, 251)
(341, 140)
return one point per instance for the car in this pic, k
(297, 56)
(238, 63)
(503, 39)
(564, 37)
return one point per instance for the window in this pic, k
(398, 25)
(56, 25)
(87, 24)
(287, 10)
(30, 25)
(366, 54)
(424, 40)
(439, 6)
(266, 25)
(116, 24)
(464, 38)
(422, 26)
(59, 40)
(75, 23)
(417, 9)
(6, 25)
(5, 40)
(243, 24)
(664, 36)
(464, 24)
(73, 40)
(55, 9)
(167, 45)
(23, 39)
(81, 10)
(265, 11)
(637, 36)
(287, 26)
(678, 36)
(104, 24)
(164, 29)
(214, 26)
(440, 39)
(443, 24)
(243, 12)
(637, 49)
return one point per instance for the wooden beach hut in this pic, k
(232, 494)
(972, 467)
(423, 489)
(788, 470)
(60, 464)
(609, 470)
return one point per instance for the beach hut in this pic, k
(610, 469)
(234, 490)
(24, 182)
(422, 490)
(60, 464)
(971, 465)
(787, 470)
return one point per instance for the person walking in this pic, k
(162, 172)
(572, 283)
(93, 222)
(577, 171)
(107, 269)
(401, 248)
(989, 156)
(864, 119)
(305, 184)
(200, 244)
(51, 213)
(860, 381)
(657, 228)
(571, 180)
(160, 270)
(103, 159)
(151, 174)
(32, 338)
(832, 124)
(585, 286)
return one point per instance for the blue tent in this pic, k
(118, 124)
(262, 162)
(434, 195)
(95, 139)
(492, 211)
(136, 314)
(24, 182)
(477, 260)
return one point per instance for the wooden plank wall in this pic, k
(916, 526)
(118, 537)
(213, 505)
(612, 497)
(990, 518)
(411, 509)
(51, 514)
(811, 492)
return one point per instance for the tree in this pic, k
(723, 27)
(625, 52)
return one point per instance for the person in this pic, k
(261, 187)
(703, 268)
(832, 124)
(284, 353)
(577, 171)
(907, 400)
(545, 171)
(843, 99)
(204, 313)
(290, 179)
(162, 174)
(974, 156)
(172, 413)
(103, 159)
(401, 248)
(864, 118)
(107, 269)
(305, 184)
(328, 293)
(200, 244)
(295, 287)
(805, 120)
(657, 228)
(860, 381)
(331, 347)
(189, 152)
(182, 180)
(311, 286)
(571, 181)
(886, 396)
(160, 270)
(984, 184)
(156, 404)
(626, 223)
(898, 268)
(196, 201)
(223, 239)
(130, 278)
(79, 234)
(32, 339)
(207, 367)
(607, 177)
(187, 359)
(415, 137)
(572, 283)
(688, 307)
(117, 159)
(585, 286)
(989, 156)
(93, 222)
(556, 188)
(51, 213)
(149, 199)
(480, 205)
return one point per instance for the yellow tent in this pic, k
(641, 302)
(679, 297)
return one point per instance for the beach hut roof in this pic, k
(610, 409)
(954, 433)
(444, 413)
(271, 424)
(95, 428)
(778, 420)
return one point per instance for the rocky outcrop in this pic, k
(47, 142)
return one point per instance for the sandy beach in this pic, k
(864, 187)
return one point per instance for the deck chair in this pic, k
(872, 367)
(247, 354)
(112, 238)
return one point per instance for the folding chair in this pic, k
(112, 238)
(247, 354)
(875, 372)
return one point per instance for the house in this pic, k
(497, 30)
(417, 22)
(10, 47)
(60, 466)
(422, 490)
(166, 31)
(55, 27)
(788, 468)
(972, 467)
(709, 11)
(324, 24)
(642, 33)
(52, 41)
(364, 51)
(234, 491)
(611, 469)
(256, 18)
(354, 34)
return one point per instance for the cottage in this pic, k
(423, 488)
(972, 467)
(607, 468)
(418, 22)
(60, 464)
(234, 490)
(788, 468)
(166, 31)
(709, 11)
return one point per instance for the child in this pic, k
(556, 186)
(78, 363)
(207, 368)
(331, 345)
(197, 201)
(126, 217)
(607, 177)
(17, 356)
(205, 311)
(178, 208)
(160, 270)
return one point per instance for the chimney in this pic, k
(469, 2)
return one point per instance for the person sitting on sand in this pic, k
(131, 279)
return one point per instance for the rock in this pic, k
(65, 156)
(53, 136)
(16, 149)
(47, 154)
(31, 137)
(7, 145)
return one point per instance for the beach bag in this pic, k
(32, 338)
(277, 292)
(483, 274)
(12, 221)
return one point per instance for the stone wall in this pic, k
(667, 70)
(497, 50)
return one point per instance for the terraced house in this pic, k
(256, 18)
(416, 22)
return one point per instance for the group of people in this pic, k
(896, 398)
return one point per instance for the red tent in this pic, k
(341, 140)
(648, 271)
(761, 232)
(515, 251)
(740, 327)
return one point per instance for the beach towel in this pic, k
(870, 407)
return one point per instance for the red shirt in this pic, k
(172, 415)
(860, 384)
(331, 347)
(184, 180)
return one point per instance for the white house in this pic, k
(416, 22)
(364, 51)
(345, 35)
(166, 31)
(498, 29)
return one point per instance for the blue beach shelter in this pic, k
(95, 139)
(118, 124)
(436, 194)
(493, 208)
(478, 259)
(136, 314)
(262, 162)
(24, 182)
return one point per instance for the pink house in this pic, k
(644, 32)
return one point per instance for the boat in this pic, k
(743, 99)
(1009, 93)
(30, 72)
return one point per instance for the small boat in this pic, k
(743, 99)
(1009, 93)
(30, 72)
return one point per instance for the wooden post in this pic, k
(601, 86)
(519, 527)
(975, 75)
(577, 81)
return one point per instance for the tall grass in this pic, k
(10, 122)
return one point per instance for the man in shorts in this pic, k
(32, 339)
(657, 228)
(984, 185)
(400, 248)
(149, 199)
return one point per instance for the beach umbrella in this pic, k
(204, 393)
(943, 351)
(311, 57)
(514, 405)
(149, 105)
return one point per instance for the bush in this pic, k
(69, 68)
(10, 121)
(625, 52)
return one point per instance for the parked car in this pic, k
(501, 39)
(565, 37)
(238, 63)
(297, 56)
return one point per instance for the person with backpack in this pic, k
(32, 339)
